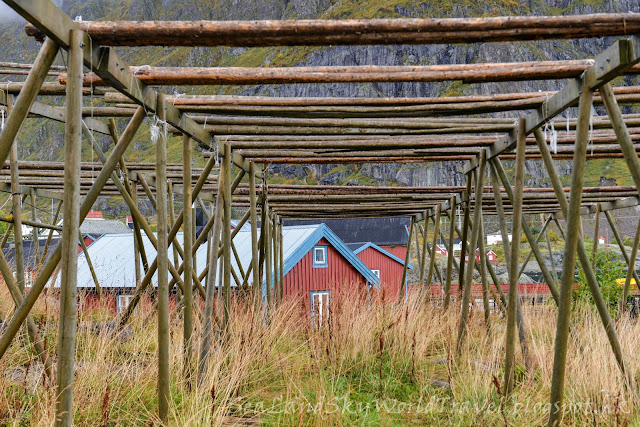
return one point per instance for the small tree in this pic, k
(608, 269)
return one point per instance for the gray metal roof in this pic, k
(112, 256)
(104, 226)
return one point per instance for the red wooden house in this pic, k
(317, 262)
(387, 266)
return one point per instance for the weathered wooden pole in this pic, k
(595, 235)
(276, 263)
(407, 261)
(212, 283)
(475, 233)
(415, 233)
(421, 256)
(550, 251)
(450, 255)
(281, 256)
(466, 198)
(172, 220)
(569, 259)
(136, 243)
(255, 250)
(34, 218)
(512, 305)
(187, 262)
(16, 203)
(268, 255)
(484, 281)
(432, 261)
(69, 255)
(226, 238)
(163, 267)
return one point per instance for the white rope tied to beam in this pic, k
(157, 127)
(553, 139)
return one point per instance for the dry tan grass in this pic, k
(370, 363)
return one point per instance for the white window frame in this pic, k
(376, 271)
(324, 299)
(325, 252)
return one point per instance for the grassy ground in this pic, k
(370, 364)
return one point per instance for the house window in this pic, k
(376, 271)
(319, 307)
(123, 302)
(320, 256)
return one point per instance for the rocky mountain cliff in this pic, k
(43, 140)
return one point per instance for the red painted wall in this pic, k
(304, 278)
(390, 270)
(398, 250)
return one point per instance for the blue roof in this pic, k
(322, 231)
(379, 249)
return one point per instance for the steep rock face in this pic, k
(40, 134)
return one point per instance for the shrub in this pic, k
(608, 269)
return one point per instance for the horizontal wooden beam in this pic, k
(467, 73)
(350, 32)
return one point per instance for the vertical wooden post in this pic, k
(416, 232)
(596, 229)
(36, 237)
(268, 256)
(466, 197)
(422, 257)
(475, 233)
(450, 254)
(136, 244)
(226, 238)
(16, 201)
(432, 261)
(163, 267)
(553, 263)
(513, 296)
(569, 260)
(172, 220)
(255, 250)
(483, 279)
(187, 261)
(407, 261)
(281, 257)
(69, 255)
(276, 264)
(212, 280)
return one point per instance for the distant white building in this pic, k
(494, 239)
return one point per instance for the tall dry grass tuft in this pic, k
(368, 362)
